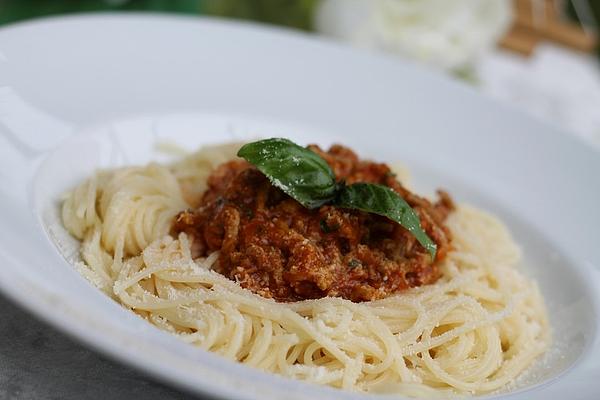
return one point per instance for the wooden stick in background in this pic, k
(538, 20)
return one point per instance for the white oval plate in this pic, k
(84, 92)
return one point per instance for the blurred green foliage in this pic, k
(594, 7)
(291, 13)
(17, 10)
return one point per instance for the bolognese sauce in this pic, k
(272, 245)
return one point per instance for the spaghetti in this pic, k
(473, 331)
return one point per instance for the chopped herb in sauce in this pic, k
(328, 228)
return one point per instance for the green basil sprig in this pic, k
(306, 177)
(381, 200)
(296, 170)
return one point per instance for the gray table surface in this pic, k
(38, 362)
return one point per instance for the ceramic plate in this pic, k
(84, 92)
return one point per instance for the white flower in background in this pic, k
(449, 34)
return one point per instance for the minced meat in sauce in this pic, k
(275, 247)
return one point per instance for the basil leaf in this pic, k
(382, 200)
(299, 172)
